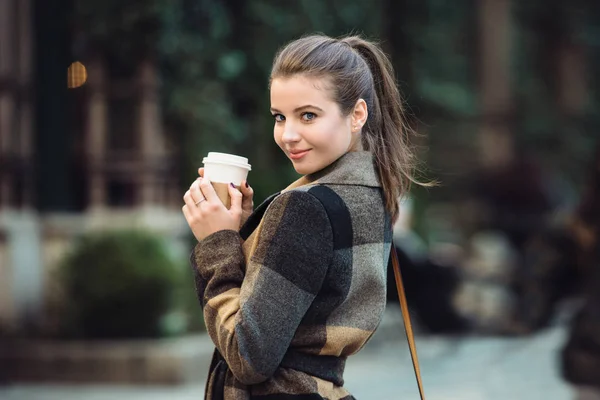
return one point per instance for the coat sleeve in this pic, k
(252, 311)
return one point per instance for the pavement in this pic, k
(465, 368)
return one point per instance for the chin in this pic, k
(304, 169)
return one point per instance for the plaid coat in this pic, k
(299, 288)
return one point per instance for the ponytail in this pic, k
(387, 135)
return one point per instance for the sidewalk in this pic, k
(467, 368)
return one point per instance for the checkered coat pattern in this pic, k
(301, 286)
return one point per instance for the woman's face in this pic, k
(309, 126)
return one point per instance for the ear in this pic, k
(359, 115)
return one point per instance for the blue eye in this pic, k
(279, 117)
(308, 116)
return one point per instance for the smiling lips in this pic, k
(296, 155)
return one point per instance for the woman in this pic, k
(302, 285)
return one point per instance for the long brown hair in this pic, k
(359, 69)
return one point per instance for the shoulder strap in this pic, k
(338, 214)
(406, 317)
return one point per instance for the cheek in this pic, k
(277, 135)
(337, 134)
(327, 130)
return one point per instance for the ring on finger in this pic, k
(200, 201)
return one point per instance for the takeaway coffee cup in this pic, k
(222, 169)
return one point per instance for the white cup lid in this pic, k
(224, 158)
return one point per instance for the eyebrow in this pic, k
(298, 109)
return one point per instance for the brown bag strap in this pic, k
(407, 325)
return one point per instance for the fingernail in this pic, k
(246, 184)
(232, 185)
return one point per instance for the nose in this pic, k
(290, 135)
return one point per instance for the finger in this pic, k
(186, 213)
(248, 193)
(236, 199)
(201, 172)
(246, 188)
(195, 191)
(208, 191)
(189, 201)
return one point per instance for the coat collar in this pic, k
(352, 168)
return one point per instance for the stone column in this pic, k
(151, 133)
(7, 309)
(7, 99)
(26, 116)
(21, 276)
(96, 133)
(572, 77)
(496, 140)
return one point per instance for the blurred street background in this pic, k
(107, 108)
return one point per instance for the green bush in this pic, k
(119, 284)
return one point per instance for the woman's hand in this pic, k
(206, 214)
(247, 198)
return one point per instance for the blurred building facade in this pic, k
(16, 136)
(72, 160)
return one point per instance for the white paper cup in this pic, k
(222, 169)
